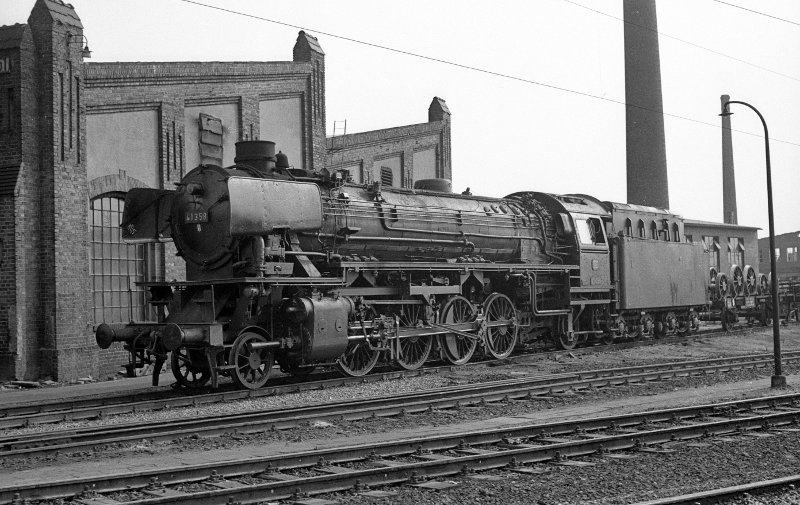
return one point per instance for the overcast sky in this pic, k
(509, 135)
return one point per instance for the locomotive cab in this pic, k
(588, 221)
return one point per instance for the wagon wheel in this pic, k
(457, 349)
(763, 284)
(358, 359)
(251, 367)
(500, 339)
(712, 282)
(694, 321)
(670, 323)
(722, 286)
(412, 352)
(190, 367)
(646, 327)
(750, 280)
(736, 281)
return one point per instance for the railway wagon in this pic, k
(305, 269)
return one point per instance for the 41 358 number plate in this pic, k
(196, 217)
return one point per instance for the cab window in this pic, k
(590, 231)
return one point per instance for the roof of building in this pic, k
(313, 43)
(11, 35)
(712, 224)
(63, 12)
(791, 234)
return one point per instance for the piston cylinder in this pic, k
(323, 324)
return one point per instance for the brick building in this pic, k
(75, 136)
(787, 256)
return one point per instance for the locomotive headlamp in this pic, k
(194, 188)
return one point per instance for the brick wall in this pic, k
(46, 325)
(366, 148)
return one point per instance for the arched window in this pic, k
(640, 226)
(676, 232)
(653, 230)
(115, 266)
(666, 231)
(628, 228)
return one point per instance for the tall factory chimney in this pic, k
(728, 181)
(646, 147)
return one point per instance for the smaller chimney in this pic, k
(729, 215)
(259, 154)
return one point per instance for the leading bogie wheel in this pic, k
(412, 352)
(358, 359)
(251, 367)
(457, 349)
(502, 328)
(190, 367)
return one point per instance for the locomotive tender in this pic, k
(301, 269)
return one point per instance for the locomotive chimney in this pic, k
(259, 154)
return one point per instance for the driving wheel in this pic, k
(457, 349)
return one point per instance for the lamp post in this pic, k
(778, 379)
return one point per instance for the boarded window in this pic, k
(116, 266)
(210, 140)
(736, 251)
(387, 177)
(712, 245)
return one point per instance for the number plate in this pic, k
(196, 217)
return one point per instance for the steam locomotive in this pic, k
(304, 269)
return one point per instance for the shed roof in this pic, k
(63, 12)
(712, 224)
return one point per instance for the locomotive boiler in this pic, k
(304, 269)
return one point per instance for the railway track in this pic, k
(715, 495)
(527, 388)
(85, 408)
(423, 460)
